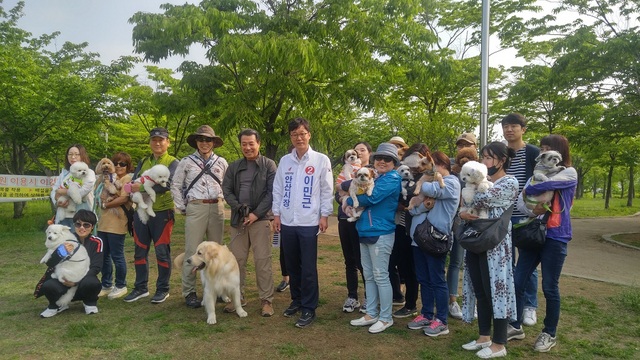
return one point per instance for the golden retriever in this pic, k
(220, 276)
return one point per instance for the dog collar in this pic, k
(430, 172)
(146, 178)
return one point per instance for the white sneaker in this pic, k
(529, 317)
(105, 291)
(455, 311)
(350, 305)
(544, 342)
(117, 293)
(47, 313)
(379, 327)
(90, 309)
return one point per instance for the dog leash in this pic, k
(244, 227)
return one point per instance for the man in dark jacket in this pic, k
(247, 188)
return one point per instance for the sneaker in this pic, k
(105, 291)
(399, 302)
(267, 308)
(230, 308)
(514, 334)
(291, 310)
(455, 311)
(529, 317)
(544, 342)
(436, 328)
(282, 286)
(419, 322)
(380, 326)
(47, 313)
(117, 293)
(363, 306)
(474, 345)
(363, 321)
(404, 312)
(306, 318)
(487, 353)
(350, 305)
(192, 300)
(159, 296)
(90, 309)
(136, 294)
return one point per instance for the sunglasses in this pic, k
(386, 159)
(204, 139)
(121, 164)
(85, 225)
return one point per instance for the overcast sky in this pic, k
(102, 23)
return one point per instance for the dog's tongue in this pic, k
(194, 270)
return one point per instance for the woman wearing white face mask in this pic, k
(489, 275)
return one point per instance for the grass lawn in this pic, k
(598, 320)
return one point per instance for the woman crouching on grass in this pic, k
(89, 287)
(554, 251)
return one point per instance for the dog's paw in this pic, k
(211, 320)
(241, 312)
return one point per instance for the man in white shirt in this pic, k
(302, 203)
(197, 193)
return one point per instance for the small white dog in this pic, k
(74, 267)
(546, 169)
(474, 175)
(73, 183)
(407, 179)
(351, 164)
(158, 174)
(363, 183)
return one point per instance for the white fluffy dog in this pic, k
(351, 164)
(546, 169)
(474, 175)
(73, 183)
(158, 174)
(220, 276)
(363, 183)
(74, 267)
(407, 179)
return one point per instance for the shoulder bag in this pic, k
(431, 240)
(481, 235)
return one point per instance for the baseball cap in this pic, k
(160, 132)
(469, 138)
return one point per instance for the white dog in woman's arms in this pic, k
(546, 169)
(363, 183)
(474, 177)
(78, 173)
(158, 174)
(351, 164)
(74, 266)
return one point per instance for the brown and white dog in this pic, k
(220, 276)
(363, 183)
(425, 166)
(546, 169)
(351, 164)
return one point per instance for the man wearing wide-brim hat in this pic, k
(197, 193)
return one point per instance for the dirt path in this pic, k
(589, 256)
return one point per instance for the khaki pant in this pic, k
(201, 219)
(258, 237)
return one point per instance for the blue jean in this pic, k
(300, 245)
(455, 263)
(433, 286)
(375, 265)
(551, 257)
(113, 251)
(531, 289)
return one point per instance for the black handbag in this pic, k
(430, 240)
(481, 235)
(531, 235)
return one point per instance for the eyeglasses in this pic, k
(384, 158)
(298, 135)
(204, 139)
(73, 154)
(121, 164)
(80, 224)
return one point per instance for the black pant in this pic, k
(402, 259)
(350, 242)
(283, 265)
(88, 289)
(478, 268)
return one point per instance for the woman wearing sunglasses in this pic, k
(113, 228)
(89, 287)
(376, 228)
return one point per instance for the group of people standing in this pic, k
(295, 198)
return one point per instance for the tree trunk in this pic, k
(632, 187)
(607, 197)
(622, 188)
(18, 208)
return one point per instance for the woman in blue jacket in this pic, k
(376, 228)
